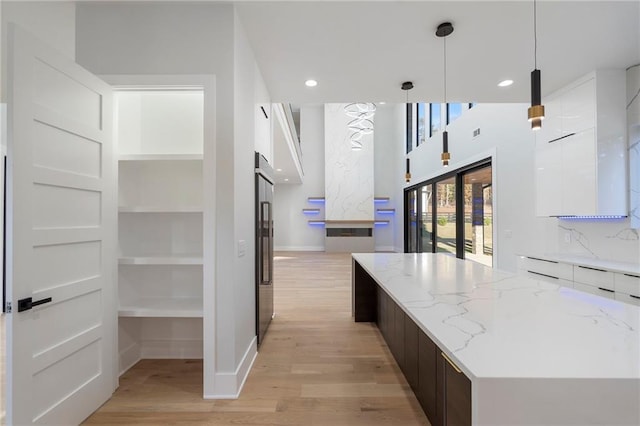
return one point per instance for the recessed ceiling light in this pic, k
(505, 83)
(382, 102)
(286, 180)
(311, 83)
(278, 170)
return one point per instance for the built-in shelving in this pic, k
(162, 308)
(381, 199)
(160, 157)
(160, 223)
(316, 222)
(160, 260)
(160, 209)
(316, 199)
(385, 211)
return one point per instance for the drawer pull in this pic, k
(634, 296)
(592, 269)
(632, 276)
(544, 275)
(455, 367)
(606, 289)
(542, 260)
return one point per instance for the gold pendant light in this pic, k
(443, 31)
(536, 110)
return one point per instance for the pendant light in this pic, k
(443, 31)
(536, 110)
(406, 86)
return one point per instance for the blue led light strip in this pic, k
(591, 217)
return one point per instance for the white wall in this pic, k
(506, 136)
(633, 120)
(197, 38)
(388, 137)
(292, 232)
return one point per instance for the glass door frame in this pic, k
(458, 175)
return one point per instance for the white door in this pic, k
(60, 233)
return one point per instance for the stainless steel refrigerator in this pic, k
(264, 245)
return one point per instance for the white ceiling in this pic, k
(363, 51)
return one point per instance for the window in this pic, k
(409, 127)
(453, 111)
(452, 213)
(422, 123)
(434, 119)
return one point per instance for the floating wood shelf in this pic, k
(315, 199)
(385, 211)
(381, 199)
(316, 222)
(310, 211)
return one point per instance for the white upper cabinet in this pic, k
(581, 153)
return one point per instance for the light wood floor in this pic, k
(315, 366)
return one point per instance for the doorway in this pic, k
(452, 213)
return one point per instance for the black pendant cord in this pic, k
(445, 70)
(535, 35)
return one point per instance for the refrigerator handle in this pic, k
(265, 239)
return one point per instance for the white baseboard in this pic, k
(171, 349)
(229, 385)
(129, 357)
(299, 248)
(399, 250)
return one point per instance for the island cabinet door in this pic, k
(427, 379)
(411, 342)
(398, 335)
(457, 394)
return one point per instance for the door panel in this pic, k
(60, 237)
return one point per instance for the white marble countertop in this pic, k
(495, 324)
(609, 265)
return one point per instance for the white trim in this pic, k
(229, 385)
(299, 248)
(206, 83)
(385, 248)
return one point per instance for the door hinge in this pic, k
(7, 308)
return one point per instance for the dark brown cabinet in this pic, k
(457, 398)
(443, 391)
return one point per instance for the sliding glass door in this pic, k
(452, 213)
(478, 215)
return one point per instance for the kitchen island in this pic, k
(486, 347)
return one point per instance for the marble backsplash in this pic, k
(600, 239)
(633, 120)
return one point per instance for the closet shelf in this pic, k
(160, 260)
(159, 157)
(162, 308)
(160, 209)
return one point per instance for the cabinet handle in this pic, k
(455, 367)
(606, 289)
(542, 260)
(561, 137)
(633, 276)
(634, 296)
(592, 269)
(544, 275)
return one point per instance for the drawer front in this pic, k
(634, 300)
(594, 290)
(554, 269)
(626, 283)
(594, 277)
(548, 278)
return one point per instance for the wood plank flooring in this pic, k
(315, 366)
